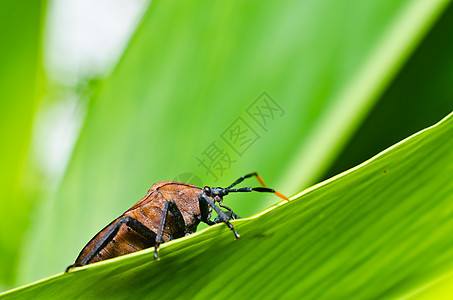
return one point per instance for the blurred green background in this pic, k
(202, 92)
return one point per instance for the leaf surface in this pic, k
(380, 230)
(186, 93)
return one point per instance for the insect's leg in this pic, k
(172, 208)
(110, 235)
(141, 229)
(222, 216)
(204, 212)
(231, 216)
(258, 177)
(230, 213)
(71, 266)
(105, 239)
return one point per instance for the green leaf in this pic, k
(380, 230)
(188, 75)
(21, 86)
(403, 108)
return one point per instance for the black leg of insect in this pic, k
(172, 208)
(134, 224)
(230, 213)
(222, 216)
(204, 211)
(213, 195)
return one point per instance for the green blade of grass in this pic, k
(21, 86)
(189, 73)
(380, 230)
(397, 113)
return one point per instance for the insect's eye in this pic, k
(207, 190)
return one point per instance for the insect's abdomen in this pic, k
(148, 211)
(124, 242)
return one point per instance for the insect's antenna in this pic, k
(258, 177)
(257, 189)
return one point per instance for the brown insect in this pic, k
(169, 210)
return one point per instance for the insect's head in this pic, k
(215, 191)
